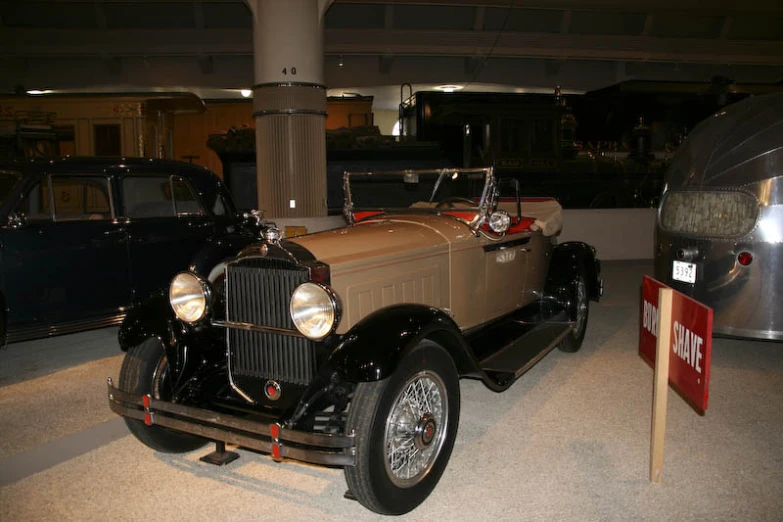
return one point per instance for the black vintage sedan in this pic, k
(82, 239)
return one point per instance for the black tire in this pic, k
(377, 408)
(578, 311)
(145, 370)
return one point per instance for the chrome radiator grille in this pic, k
(258, 292)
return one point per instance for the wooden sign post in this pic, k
(661, 386)
(676, 337)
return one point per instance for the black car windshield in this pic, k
(8, 180)
(417, 189)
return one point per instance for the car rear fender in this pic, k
(373, 348)
(567, 260)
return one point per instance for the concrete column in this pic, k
(289, 104)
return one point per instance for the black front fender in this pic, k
(373, 348)
(186, 346)
(152, 317)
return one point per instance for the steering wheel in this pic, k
(449, 202)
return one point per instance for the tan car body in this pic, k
(430, 259)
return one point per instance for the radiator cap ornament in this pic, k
(272, 233)
(272, 390)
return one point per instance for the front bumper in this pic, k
(281, 443)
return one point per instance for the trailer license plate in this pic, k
(685, 272)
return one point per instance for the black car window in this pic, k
(8, 181)
(80, 198)
(35, 205)
(185, 198)
(221, 206)
(148, 196)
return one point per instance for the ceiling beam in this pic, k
(530, 45)
(192, 42)
(637, 6)
(725, 7)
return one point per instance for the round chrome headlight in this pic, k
(314, 310)
(189, 296)
(499, 222)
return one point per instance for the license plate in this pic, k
(685, 272)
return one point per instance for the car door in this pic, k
(167, 224)
(66, 259)
(506, 259)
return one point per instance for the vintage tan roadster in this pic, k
(346, 347)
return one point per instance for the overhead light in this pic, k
(449, 88)
(246, 93)
(36, 92)
(340, 63)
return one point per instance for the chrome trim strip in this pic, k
(258, 114)
(492, 247)
(15, 335)
(256, 328)
(289, 84)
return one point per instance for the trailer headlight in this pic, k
(189, 296)
(315, 310)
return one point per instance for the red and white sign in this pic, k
(691, 341)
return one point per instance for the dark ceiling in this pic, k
(581, 45)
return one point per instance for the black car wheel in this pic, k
(145, 370)
(405, 428)
(579, 311)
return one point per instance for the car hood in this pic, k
(398, 236)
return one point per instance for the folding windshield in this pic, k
(417, 190)
(8, 180)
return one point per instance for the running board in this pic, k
(522, 353)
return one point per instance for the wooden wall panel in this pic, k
(348, 112)
(192, 130)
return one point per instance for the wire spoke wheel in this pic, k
(404, 428)
(578, 305)
(414, 434)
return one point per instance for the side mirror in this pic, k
(16, 220)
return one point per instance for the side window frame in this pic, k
(45, 179)
(127, 178)
(202, 211)
(224, 195)
(84, 179)
(169, 182)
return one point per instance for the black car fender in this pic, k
(186, 346)
(567, 261)
(373, 348)
(152, 317)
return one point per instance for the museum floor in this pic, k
(569, 441)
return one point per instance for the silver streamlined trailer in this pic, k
(719, 233)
